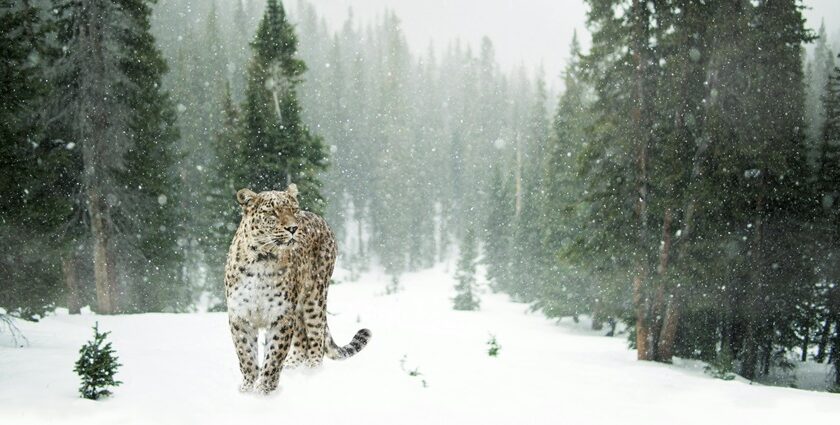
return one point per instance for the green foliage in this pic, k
(97, 366)
(153, 221)
(466, 298)
(723, 365)
(497, 235)
(36, 188)
(278, 147)
(493, 346)
(220, 200)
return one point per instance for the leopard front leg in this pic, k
(278, 338)
(245, 340)
(297, 352)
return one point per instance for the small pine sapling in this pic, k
(493, 346)
(466, 299)
(723, 366)
(97, 366)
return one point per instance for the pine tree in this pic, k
(820, 67)
(564, 289)
(828, 180)
(227, 147)
(683, 159)
(97, 366)
(774, 197)
(498, 233)
(152, 223)
(111, 105)
(201, 78)
(466, 298)
(527, 249)
(279, 148)
(39, 171)
(623, 67)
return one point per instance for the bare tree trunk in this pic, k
(768, 357)
(667, 328)
(71, 281)
(657, 311)
(806, 341)
(518, 177)
(822, 344)
(668, 335)
(95, 109)
(642, 331)
(641, 299)
(360, 236)
(751, 345)
(102, 270)
(597, 316)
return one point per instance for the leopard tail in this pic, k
(340, 353)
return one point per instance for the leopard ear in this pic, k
(292, 190)
(245, 196)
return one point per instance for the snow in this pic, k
(181, 368)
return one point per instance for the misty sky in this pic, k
(523, 31)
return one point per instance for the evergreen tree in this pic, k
(497, 235)
(466, 298)
(820, 67)
(97, 366)
(279, 147)
(828, 298)
(565, 289)
(227, 147)
(111, 105)
(152, 222)
(527, 249)
(36, 181)
(624, 67)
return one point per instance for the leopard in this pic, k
(278, 270)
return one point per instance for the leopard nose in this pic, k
(292, 229)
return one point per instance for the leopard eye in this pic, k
(271, 221)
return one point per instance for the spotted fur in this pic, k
(276, 278)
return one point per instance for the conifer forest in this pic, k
(675, 185)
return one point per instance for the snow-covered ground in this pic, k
(181, 369)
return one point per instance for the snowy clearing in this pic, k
(182, 369)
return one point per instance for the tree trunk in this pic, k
(518, 178)
(102, 269)
(642, 331)
(96, 110)
(835, 353)
(751, 344)
(640, 116)
(806, 341)
(750, 356)
(668, 335)
(71, 281)
(658, 309)
(597, 317)
(822, 344)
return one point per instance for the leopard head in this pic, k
(269, 218)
